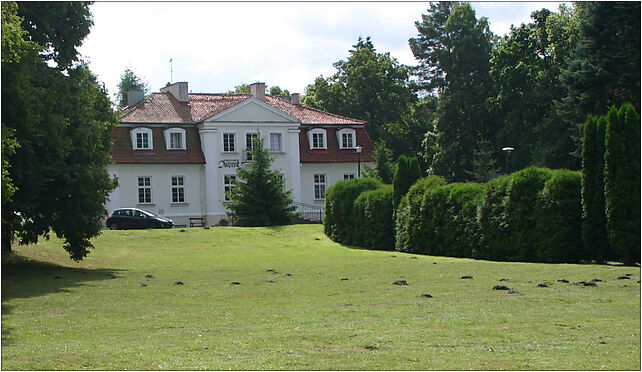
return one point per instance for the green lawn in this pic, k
(104, 313)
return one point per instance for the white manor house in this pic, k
(175, 153)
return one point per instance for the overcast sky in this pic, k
(217, 46)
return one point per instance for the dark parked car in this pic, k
(134, 218)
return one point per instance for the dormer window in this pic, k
(346, 139)
(318, 140)
(142, 139)
(175, 139)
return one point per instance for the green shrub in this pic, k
(339, 199)
(622, 182)
(408, 214)
(434, 216)
(462, 230)
(372, 215)
(493, 229)
(520, 205)
(449, 219)
(559, 219)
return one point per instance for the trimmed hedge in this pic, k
(520, 205)
(339, 199)
(449, 219)
(532, 215)
(372, 214)
(408, 220)
(493, 239)
(559, 219)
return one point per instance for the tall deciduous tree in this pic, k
(129, 81)
(259, 197)
(277, 91)
(622, 182)
(370, 86)
(62, 124)
(526, 65)
(58, 26)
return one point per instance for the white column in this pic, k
(295, 163)
(209, 145)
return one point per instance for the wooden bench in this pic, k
(197, 222)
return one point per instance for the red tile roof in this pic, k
(124, 153)
(309, 115)
(165, 108)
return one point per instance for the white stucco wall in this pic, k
(334, 172)
(250, 117)
(126, 195)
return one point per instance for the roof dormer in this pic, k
(318, 139)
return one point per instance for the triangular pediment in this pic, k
(252, 110)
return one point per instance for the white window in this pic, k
(346, 138)
(275, 142)
(228, 183)
(142, 139)
(250, 141)
(144, 190)
(348, 176)
(178, 189)
(229, 142)
(317, 139)
(175, 139)
(319, 186)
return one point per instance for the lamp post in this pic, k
(359, 148)
(508, 150)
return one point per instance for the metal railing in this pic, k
(309, 212)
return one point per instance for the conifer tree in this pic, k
(259, 197)
(406, 174)
(622, 182)
(593, 214)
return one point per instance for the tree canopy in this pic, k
(60, 122)
(370, 86)
(454, 49)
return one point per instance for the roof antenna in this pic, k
(171, 71)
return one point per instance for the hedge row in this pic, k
(338, 221)
(408, 224)
(532, 215)
(372, 214)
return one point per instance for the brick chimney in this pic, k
(134, 96)
(258, 91)
(178, 90)
(295, 99)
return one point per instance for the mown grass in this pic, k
(57, 314)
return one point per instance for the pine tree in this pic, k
(454, 47)
(259, 197)
(593, 214)
(622, 182)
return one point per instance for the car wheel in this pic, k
(113, 226)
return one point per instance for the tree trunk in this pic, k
(7, 240)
